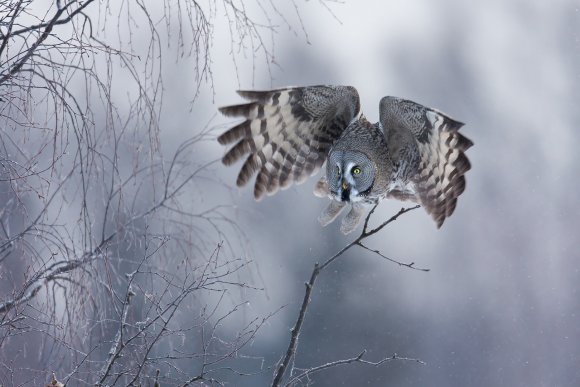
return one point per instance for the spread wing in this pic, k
(438, 149)
(287, 133)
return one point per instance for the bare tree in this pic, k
(105, 251)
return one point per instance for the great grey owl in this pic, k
(413, 153)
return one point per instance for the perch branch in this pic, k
(295, 331)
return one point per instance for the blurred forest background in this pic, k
(128, 256)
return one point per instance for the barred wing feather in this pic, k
(439, 177)
(286, 133)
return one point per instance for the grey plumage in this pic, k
(413, 153)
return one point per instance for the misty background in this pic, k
(500, 305)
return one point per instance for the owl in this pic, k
(414, 153)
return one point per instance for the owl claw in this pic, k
(352, 219)
(331, 212)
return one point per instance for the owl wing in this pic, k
(437, 152)
(287, 133)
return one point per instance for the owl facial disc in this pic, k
(348, 174)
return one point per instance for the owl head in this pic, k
(350, 175)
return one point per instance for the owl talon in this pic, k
(352, 219)
(330, 213)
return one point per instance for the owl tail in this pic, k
(352, 219)
(331, 212)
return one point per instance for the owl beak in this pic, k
(345, 194)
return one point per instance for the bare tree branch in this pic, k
(282, 368)
(43, 278)
(356, 359)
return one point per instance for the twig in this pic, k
(409, 265)
(356, 359)
(118, 344)
(45, 34)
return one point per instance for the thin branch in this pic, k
(54, 21)
(118, 344)
(6, 36)
(367, 233)
(410, 265)
(45, 34)
(44, 277)
(356, 359)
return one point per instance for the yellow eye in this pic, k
(356, 171)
